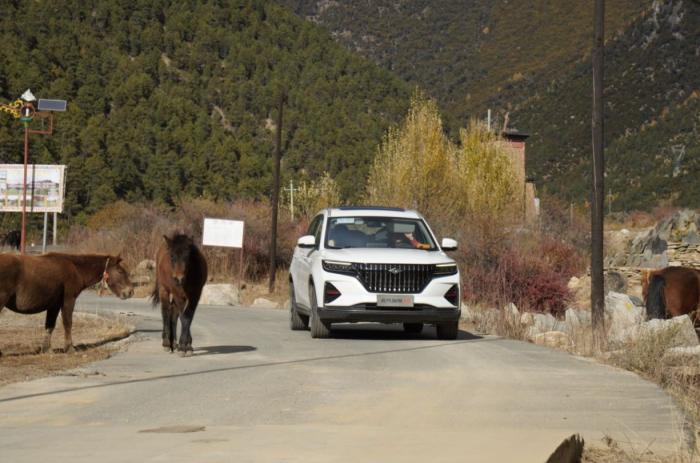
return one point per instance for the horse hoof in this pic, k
(69, 349)
(188, 353)
(167, 349)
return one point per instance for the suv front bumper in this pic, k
(371, 313)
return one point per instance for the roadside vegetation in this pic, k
(21, 337)
(467, 190)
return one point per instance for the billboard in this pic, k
(45, 187)
(221, 232)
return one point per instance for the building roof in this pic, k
(514, 135)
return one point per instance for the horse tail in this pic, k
(656, 300)
(155, 295)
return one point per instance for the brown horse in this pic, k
(181, 272)
(52, 283)
(671, 291)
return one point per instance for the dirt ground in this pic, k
(21, 337)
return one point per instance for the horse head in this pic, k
(179, 249)
(117, 278)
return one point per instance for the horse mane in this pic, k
(180, 239)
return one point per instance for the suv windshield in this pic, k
(378, 232)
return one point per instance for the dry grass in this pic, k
(21, 337)
(679, 375)
(612, 451)
(254, 290)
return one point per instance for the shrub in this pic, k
(136, 231)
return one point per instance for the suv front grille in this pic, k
(394, 278)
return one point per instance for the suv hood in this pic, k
(387, 256)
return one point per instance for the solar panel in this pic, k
(52, 105)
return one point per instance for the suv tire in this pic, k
(297, 321)
(319, 329)
(448, 330)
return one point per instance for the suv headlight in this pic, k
(335, 266)
(445, 269)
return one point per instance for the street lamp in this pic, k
(23, 109)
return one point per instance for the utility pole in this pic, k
(276, 195)
(291, 191)
(598, 196)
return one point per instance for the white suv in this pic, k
(373, 264)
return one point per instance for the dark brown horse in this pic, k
(52, 283)
(671, 291)
(181, 272)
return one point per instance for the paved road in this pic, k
(371, 394)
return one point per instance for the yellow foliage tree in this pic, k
(416, 166)
(314, 196)
(484, 183)
(413, 162)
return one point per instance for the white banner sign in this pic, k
(45, 187)
(221, 232)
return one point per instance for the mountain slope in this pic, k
(531, 59)
(170, 98)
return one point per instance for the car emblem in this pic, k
(395, 270)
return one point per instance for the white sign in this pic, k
(45, 187)
(221, 232)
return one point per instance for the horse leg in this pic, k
(185, 335)
(174, 311)
(178, 309)
(166, 311)
(51, 316)
(67, 317)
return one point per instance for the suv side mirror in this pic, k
(306, 241)
(448, 244)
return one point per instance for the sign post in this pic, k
(23, 109)
(227, 234)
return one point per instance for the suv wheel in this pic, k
(319, 329)
(447, 330)
(413, 328)
(297, 321)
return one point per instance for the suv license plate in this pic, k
(394, 300)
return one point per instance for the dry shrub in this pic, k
(496, 321)
(530, 270)
(644, 353)
(136, 231)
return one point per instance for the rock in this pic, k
(615, 281)
(144, 273)
(553, 339)
(220, 294)
(544, 322)
(692, 238)
(262, 302)
(511, 313)
(146, 265)
(526, 319)
(541, 323)
(685, 335)
(621, 314)
(576, 320)
(140, 280)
